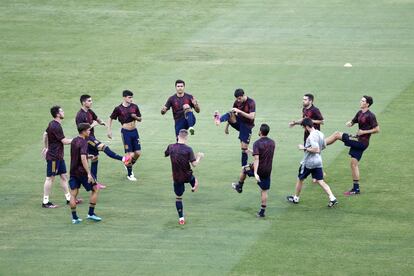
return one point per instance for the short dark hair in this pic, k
(264, 129)
(83, 126)
(310, 96)
(307, 122)
(84, 97)
(369, 100)
(127, 93)
(179, 81)
(238, 92)
(54, 110)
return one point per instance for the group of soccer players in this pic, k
(241, 117)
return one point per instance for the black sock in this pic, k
(129, 169)
(74, 215)
(262, 210)
(241, 184)
(179, 206)
(91, 209)
(356, 185)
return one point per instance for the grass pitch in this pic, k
(53, 51)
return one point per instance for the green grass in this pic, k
(53, 51)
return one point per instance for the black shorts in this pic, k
(179, 187)
(356, 148)
(264, 183)
(55, 167)
(317, 173)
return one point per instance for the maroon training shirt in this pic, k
(265, 148)
(247, 106)
(177, 105)
(365, 121)
(54, 138)
(313, 113)
(78, 147)
(86, 117)
(123, 114)
(181, 156)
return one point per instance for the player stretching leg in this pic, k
(312, 163)
(81, 175)
(312, 112)
(53, 152)
(182, 104)
(181, 157)
(241, 118)
(86, 115)
(367, 125)
(128, 114)
(261, 169)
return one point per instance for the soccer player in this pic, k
(261, 169)
(86, 115)
(182, 105)
(53, 152)
(312, 163)
(80, 173)
(367, 125)
(128, 114)
(241, 118)
(181, 157)
(309, 111)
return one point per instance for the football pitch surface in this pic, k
(53, 51)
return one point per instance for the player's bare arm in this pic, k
(309, 149)
(136, 118)
(163, 110)
(295, 122)
(45, 144)
(109, 134)
(199, 156)
(256, 167)
(369, 131)
(66, 141)
(196, 105)
(349, 123)
(84, 159)
(249, 116)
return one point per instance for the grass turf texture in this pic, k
(52, 51)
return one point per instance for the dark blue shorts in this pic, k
(304, 172)
(76, 182)
(130, 139)
(55, 167)
(356, 148)
(264, 183)
(179, 187)
(183, 123)
(93, 144)
(245, 132)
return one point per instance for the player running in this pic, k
(367, 125)
(241, 117)
(309, 111)
(80, 174)
(86, 115)
(182, 104)
(53, 152)
(181, 157)
(128, 114)
(312, 163)
(261, 169)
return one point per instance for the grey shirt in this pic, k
(311, 160)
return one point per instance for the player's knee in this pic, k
(101, 146)
(179, 198)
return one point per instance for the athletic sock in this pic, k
(179, 206)
(296, 198)
(244, 158)
(74, 215)
(45, 199)
(332, 198)
(91, 209)
(112, 154)
(241, 184)
(129, 169)
(94, 169)
(262, 210)
(67, 196)
(356, 185)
